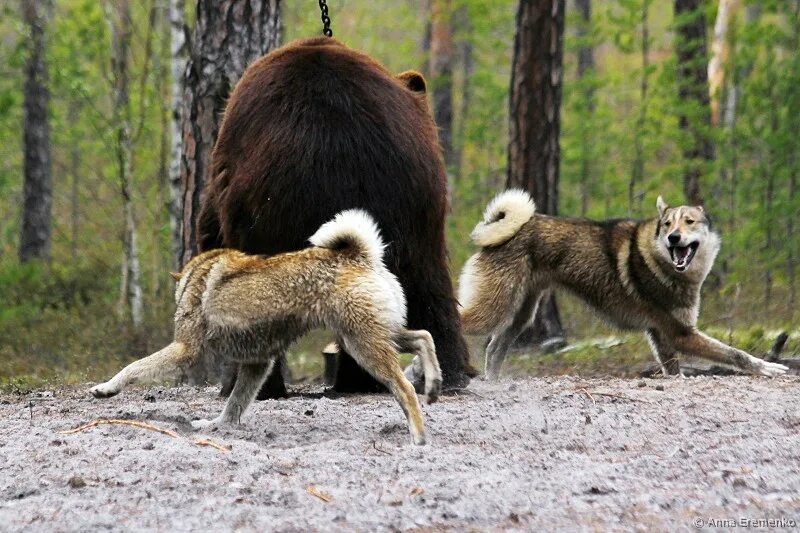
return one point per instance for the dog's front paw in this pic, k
(432, 394)
(204, 423)
(771, 370)
(210, 425)
(104, 390)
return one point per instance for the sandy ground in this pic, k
(592, 454)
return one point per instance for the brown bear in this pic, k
(314, 128)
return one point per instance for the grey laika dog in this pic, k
(639, 275)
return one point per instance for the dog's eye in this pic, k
(666, 223)
(690, 221)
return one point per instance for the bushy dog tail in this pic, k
(503, 218)
(354, 229)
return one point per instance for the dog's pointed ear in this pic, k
(413, 80)
(175, 275)
(661, 205)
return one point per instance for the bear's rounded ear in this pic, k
(413, 80)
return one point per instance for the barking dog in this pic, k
(640, 275)
(249, 309)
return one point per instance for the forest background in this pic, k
(628, 132)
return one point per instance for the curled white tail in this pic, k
(503, 218)
(352, 228)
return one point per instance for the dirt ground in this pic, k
(592, 454)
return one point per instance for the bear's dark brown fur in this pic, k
(314, 128)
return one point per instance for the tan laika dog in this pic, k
(640, 275)
(249, 309)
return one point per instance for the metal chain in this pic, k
(326, 20)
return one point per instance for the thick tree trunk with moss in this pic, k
(695, 112)
(36, 223)
(533, 150)
(229, 35)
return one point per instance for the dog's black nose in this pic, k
(674, 238)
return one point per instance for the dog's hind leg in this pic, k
(378, 356)
(248, 381)
(665, 354)
(420, 343)
(503, 337)
(165, 363)
(701, 345)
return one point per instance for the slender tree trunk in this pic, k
(720, 52)
(586, 68)
(119, 16)
(794, 162)
(37, 218)
(441, 64)
(229, 35)
(692, 77)
(75, 175)
(535, 106)
(178, 58)
(425, 43)
(466, 58)
(737, 77)
(164, 198)
(637, 173)
(770, 169)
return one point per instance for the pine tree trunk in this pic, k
(229, 35)
(119, 17)
(36, 223)
(533, 150)
(178, 57)
(585, 68)
(441, 65)
(692, 78)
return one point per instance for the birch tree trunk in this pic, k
(119, 17)
(720, 53)
(692, 77)
(37, 218)
(229, 35)
(533, 149)
(178, 58)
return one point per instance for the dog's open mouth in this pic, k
(683, 255)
